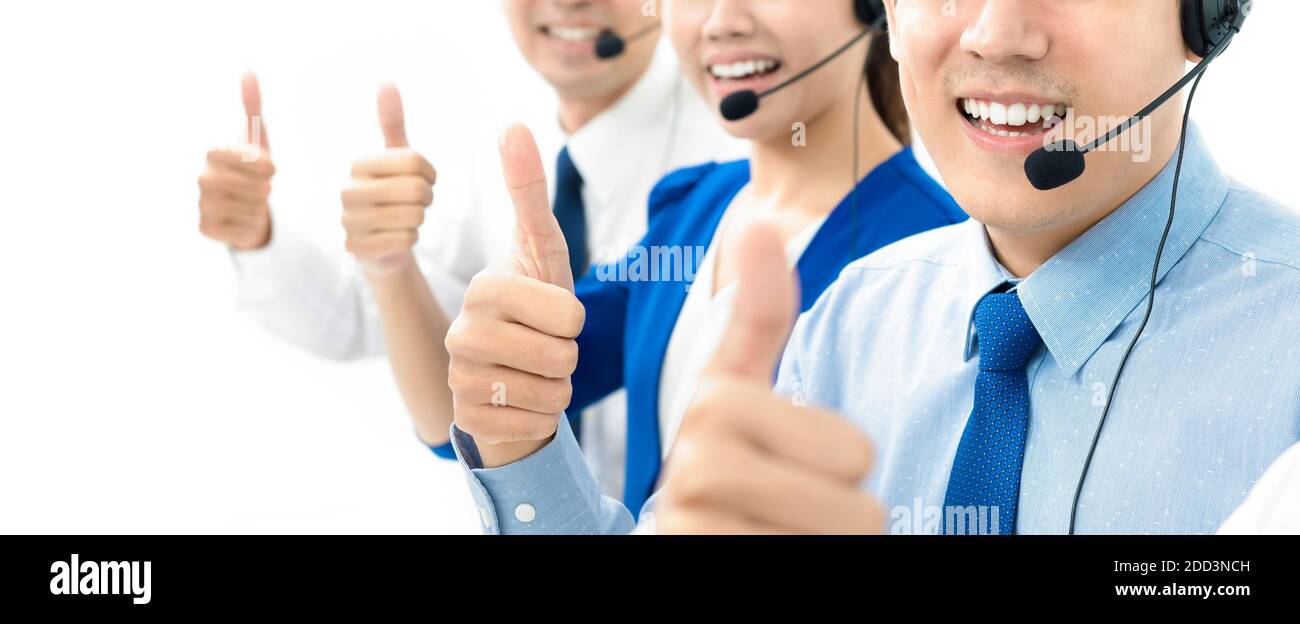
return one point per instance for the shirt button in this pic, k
(525, 513)
(485, 517)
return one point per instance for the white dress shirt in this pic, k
(317, 298)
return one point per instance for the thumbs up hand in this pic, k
(747, 461)
(513, 347)
(235, 187)
(383, 206)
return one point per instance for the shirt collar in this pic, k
(1080, 296)
(985, 274)
(641, 118)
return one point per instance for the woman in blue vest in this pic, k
(829, 169)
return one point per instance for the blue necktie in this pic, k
(572, 217)
(985, 479)
(570, 212)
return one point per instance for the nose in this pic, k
(730, 19)
(1006, 30)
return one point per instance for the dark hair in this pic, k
(886, 92)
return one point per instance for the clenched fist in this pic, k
(235, 187)
(747, 461)
(384, 205)
(513, 346)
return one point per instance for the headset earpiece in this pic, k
(869, 11)
(1206, 23)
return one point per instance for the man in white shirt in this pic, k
(623, 122)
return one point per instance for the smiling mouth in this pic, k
(1012, 120)
(572, 34)
(744, 70)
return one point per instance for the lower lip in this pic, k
(1017, 146)
(758, 84)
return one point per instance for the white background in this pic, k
(133, 396)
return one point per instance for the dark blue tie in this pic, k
(984, 486)
(572, 216)
(570, 212)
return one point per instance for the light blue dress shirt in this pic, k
(1210, 396)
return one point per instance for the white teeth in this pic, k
(576, 35)
(1015, 114)
(998, 113)
(742, 69)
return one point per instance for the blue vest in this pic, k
(633, 305)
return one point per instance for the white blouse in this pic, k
(699, 329)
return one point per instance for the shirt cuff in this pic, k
(551, 492)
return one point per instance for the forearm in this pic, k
(305, 295)
(414, 328)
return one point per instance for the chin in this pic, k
(997, 205)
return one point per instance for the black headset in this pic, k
(1206, 23)
(869, 11)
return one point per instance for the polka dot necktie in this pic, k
(984, 486)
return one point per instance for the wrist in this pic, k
(393, 268)
(498, 455)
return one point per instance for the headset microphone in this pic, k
(1062, 162)
(742, 104)
(610, 45)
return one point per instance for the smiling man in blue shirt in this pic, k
(978, 358)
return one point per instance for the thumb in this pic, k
(539, 243)
(764, 310)
(392, 118)
(255, 132)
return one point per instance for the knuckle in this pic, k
(349, 220)
(469, 418)
(711, 405)
(458, 339)
(459, 379)
(693, 486)
(348, 195)
(575, 318)
(540, 427)
(415, 216)
(482, 292)
(410, 161)
(555, 397)
(565, 360)
(418, 191)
